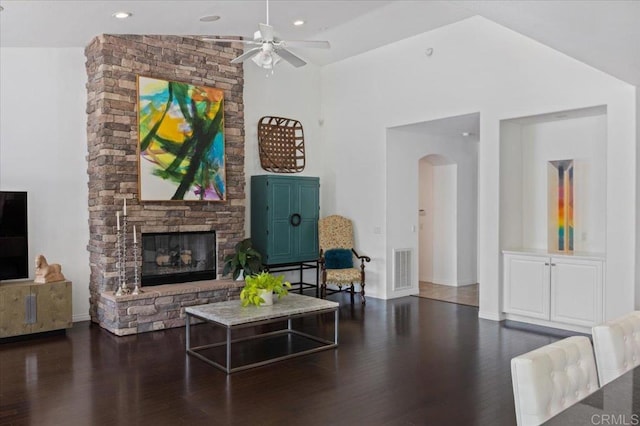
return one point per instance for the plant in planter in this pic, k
(259, 289)
(246, 259)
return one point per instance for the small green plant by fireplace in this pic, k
(246, 259)
(260, 288)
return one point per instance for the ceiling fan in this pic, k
(269, 49)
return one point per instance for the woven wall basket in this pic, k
(281, 145)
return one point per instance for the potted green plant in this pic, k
(259, 289)
(246, 259)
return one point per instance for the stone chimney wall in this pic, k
(113, 64)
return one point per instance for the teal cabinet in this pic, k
(284, 217)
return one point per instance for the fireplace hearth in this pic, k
(178, 257)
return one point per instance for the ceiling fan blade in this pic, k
(290, 57)
(232, 40)
(266, 31)
(246, 55)
(319, 44)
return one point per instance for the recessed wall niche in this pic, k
(527, 145)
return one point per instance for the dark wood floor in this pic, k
(409, 361)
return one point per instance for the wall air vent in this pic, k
(402, 267)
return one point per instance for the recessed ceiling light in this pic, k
(298, 22)
(209, 18)
(466, 134)
(122, 15)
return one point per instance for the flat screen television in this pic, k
(14, 247)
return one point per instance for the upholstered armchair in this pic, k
(337, 253)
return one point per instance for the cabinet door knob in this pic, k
(295, 219)
(553, 264)
(546, 263)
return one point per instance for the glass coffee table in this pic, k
(232, 316)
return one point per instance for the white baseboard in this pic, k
(459, 283)
(493, 316)
(443, 282)
(413, 291)
(83, 317)
(551, 324)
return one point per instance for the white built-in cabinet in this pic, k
(527, 285)
(559, 290)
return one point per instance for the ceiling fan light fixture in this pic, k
(267, 49)
(266, 59)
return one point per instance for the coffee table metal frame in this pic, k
(327, 344)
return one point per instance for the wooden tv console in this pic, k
(27, 307)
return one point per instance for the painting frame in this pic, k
(181, 141)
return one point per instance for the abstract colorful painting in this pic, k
(561, 205)
(181, 141)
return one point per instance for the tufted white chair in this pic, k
(551, 378)
(617, 346)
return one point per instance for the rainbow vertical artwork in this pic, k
(560, 202)
(181, 141)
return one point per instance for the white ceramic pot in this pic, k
(267, 296)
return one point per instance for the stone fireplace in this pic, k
(113, 64)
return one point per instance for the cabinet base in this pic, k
(550, 324)
(42, 334)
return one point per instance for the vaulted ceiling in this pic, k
(602, 33)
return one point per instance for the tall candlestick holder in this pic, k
(122, 259)
(136, 280)
(119, 262)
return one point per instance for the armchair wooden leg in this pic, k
(362, 275)
(323, 287)
(351, 292)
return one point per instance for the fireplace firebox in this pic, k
(178, 257)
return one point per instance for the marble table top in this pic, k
(232, 312)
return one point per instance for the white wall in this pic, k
(467, 212)
(511, 190)
(445, 232)
(43, 145)
(291, 93)
(476, 66)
